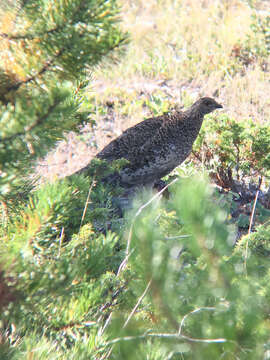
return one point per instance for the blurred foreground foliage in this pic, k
(169, 281)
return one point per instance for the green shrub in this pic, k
(203, 301)
(225, 143)
(173, 285)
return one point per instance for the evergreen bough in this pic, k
(48, 49)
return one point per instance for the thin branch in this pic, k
(87, 201)
(254, 206)
(62, 236)
(124, 262)
(251, 220)
(167, 336)
(253, 212)
(31, 36)
(138, 303)
(177, 237)
(155, 197)
(191, 313)
(45, 68)
(101, 330)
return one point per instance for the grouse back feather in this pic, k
(132, 138)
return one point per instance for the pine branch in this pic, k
(45, 68)
(50, 31)
(31, 36)
(50, 63)
(38, 122)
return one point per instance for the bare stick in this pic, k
(62, 236)
(191, 313)
(253, 212)
(138, 303)
(251, 220)
(168, 336)
(87, 201)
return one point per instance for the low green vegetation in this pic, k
(170, 281)
(183, 273)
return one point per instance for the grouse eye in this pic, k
(207, 103)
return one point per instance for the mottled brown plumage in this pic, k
(157, 145)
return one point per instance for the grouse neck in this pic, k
(194, 111)
(194, 115)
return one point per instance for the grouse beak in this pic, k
(218, 106)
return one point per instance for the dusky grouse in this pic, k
(155, 146)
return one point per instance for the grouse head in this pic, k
(205, 105)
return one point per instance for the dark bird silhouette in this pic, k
(155, 146)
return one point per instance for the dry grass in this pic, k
(191, 43)
(179, 51)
